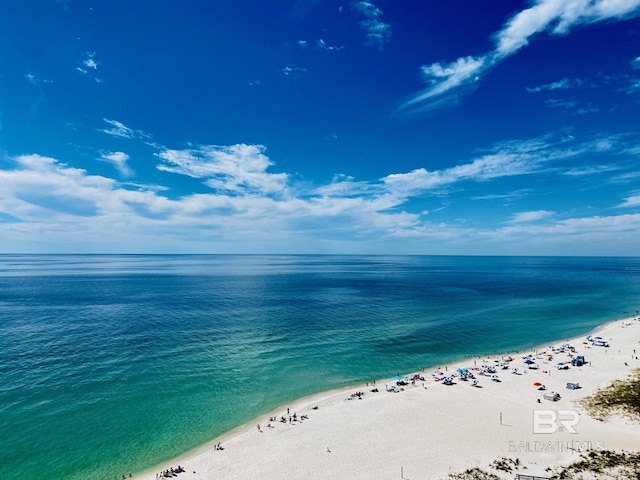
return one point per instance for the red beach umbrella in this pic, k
(536, 384)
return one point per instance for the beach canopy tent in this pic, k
(553, 396)
(578, 361)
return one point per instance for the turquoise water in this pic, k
(112, 364)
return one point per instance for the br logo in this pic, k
(551, 421)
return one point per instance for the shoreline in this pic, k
(246, 441)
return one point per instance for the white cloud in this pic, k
(449, 76)
(36, 81)
(562, 84)
(635, 63)
(579, 230)
(377, 32)
(632, 87)
(119, 161)
(290, 71)
(233, 169)
(633, 201)
(89, 67)
(42, 190)
(626, 177)
(251, 208)
(591, 170)
(90, 63)
(564, 103)
(322, 45)
(530, 217)
(557, 17)
(119, 129)
(503, 163)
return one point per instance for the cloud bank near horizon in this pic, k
(245, 199)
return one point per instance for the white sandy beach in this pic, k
(429, 429)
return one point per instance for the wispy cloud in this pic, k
(573, 106)
(530, 217)
(507, 159)
(36, 81)
(590, 170)
(633, 201)
(562, 84)
(89, 66)
(119, 161)
(230, 169)
(632, 87)
(294, 72)
(442, 78)
(322, 45)
(508, 196)
(119, 129)
(557, 17)
(575, 234)
(377, 32)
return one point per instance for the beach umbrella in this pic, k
(560, 363)
(536, 384)
(529, 361)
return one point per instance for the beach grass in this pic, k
(603, 464)
(472, 474)
(622, 397)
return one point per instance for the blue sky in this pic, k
(466, 127)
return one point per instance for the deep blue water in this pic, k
(112, 364)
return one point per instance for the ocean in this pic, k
(111, 364)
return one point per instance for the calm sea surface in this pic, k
(112, 364)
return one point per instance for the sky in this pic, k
(458, 127)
